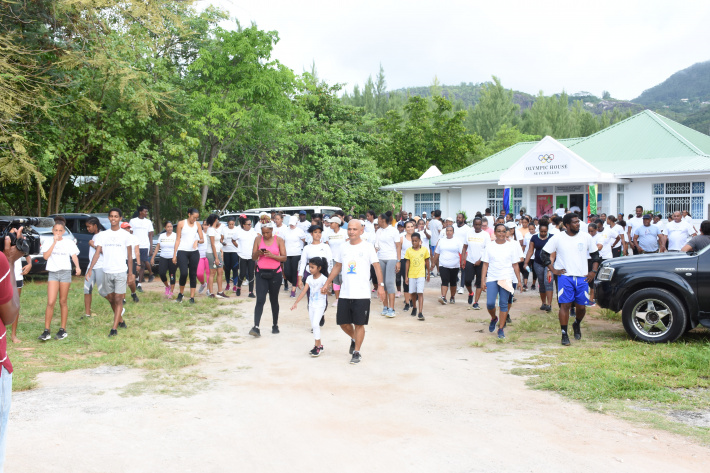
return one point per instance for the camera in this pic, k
(30, 243)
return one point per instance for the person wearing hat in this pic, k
(263, 218)
(303, 222)
(647, 237)
(294, 239)
(424, 216)
(335, 236)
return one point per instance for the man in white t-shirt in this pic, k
(561, 211)
(632, 225)
(569, 252)
(461, 230)
(678, 232)
(435, 226)
(303, 223)
(143, 232)
(353, 261)
(475, 244)
(115, 245)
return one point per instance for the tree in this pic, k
(494, 110)
(381, 94)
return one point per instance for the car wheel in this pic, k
(654, 315)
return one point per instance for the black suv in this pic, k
(661, 296)
(76, 223)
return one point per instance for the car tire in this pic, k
(654, 315)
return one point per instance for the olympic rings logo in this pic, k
(546, 158)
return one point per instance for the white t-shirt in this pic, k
(500, 259)
(114, 246)
(229, 234)
(141, 228)
(678, 234)
(293, 241)
(572, 252)
(369, 227)
(553, 230)
(449, 251)
(435, 227)
(305, 225)
(167, 245)
(134, 243)
(583, 227)
(216, 233)
(92, 251)
(605, 238)
(356, 261)
(386, 242)
(335, 240)
(245, 242)
(477, 243)
(62, 252)
(633, 224)
(320, 250)
(461, 232)
(614, 232)
(560, 212)
(491, 220)
(406, 244)
(315, 285)
(18, 271)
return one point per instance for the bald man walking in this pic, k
(353, 261)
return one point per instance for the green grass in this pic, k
(162, 336)
(608, 372)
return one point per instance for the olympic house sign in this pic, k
(547, 165)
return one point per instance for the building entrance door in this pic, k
(577, 200)
(561, 199)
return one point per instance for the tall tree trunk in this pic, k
(156, 208)
(39, 199)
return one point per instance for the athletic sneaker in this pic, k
(45, 335)
(452, 301)
(293, 294)
(192, 300)
(87, 315)
(217, 296)
(285, 287)
(151, 278)
(406, 308)
(122, 324)
(213, 296)
(543, 307)
(532, 288)
(398, 295)
(509, 320)
(139, 288)
(251, 294)
(501, 334)
(565, 339)
(577, 331)
(316, 351)
(352, 346)
(391, 313)
(208, 293)
(238, 291)
(385, 311)
(475, 306)
(420, 316)
(167, 292)
(254, 332)
(134, 296)
(414, 311)
(203, 286)
(356, 358)
(470, 299)
(548, 309)
(275, 329)
(179, 298)
(113, 332)
(223, 294)
(492, 325)
(459, 291)
(442, 300)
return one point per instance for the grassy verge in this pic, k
(664, 385)
(161, 337)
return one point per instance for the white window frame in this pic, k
(426, 202)
(494, 200)
(669, 197)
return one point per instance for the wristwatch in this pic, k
(382, 284)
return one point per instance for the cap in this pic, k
(293, 221)
(400, 223)
(334, 220)
(423, 213)
(302, 212)
(268, 225)
(263, 214)
(510, 225)
(242, 215)
(449, 219)
(647, 216)
(125, 225)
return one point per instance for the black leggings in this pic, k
(291, 269)
(246, 270)
(270, 287)
(187, 261)
(402, 269)
(231, 265)
(524, 273)
(165, 266)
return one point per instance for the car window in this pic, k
(71, 224)
(82, 226)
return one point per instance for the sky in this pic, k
(622, 46)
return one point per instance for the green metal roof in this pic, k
(645, 143)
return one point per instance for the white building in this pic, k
(646, 160)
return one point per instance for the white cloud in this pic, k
(624, 46)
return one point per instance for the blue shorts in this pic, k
(572, 289)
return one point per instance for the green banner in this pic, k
(592, 208)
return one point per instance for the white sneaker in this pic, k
(208, 293)
(218, 296)
(202, 288)
(460, 291)
(398, 295)
(244, 283)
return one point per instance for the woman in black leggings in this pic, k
(268, 252)
(245, 244)
(186, 255)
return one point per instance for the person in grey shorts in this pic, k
(115, 246)
(389, 252)
(93, 226)
(59, 253)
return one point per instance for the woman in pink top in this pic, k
(269, 252)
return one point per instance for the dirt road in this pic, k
(422, 400)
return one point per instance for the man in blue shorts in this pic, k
(566, 256)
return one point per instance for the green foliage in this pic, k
(494, 110)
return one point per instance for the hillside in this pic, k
(691, 85)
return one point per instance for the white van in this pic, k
(310, 210)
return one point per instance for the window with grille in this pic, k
(678, 196)
(620, 198)
(495, 200)
(426, 202)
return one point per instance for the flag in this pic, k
(592, 201)
(506, 200)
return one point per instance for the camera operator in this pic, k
(9, 310)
